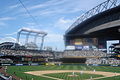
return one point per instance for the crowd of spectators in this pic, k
(111, 61)
(6, 61)
(26, 52)
(30, 49)
(92, 57)
(93, 61)
(84, 53)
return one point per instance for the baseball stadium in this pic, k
(86, 55)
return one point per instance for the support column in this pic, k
(27, 37)
(42, 42)
(18, 37)
(35, 39)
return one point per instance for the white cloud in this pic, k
(7, 39)
(32, 25)
(3, 19)
(63, 23)
(63, 6)
(18, 4)
(2, 24)
(14, 6)
(6, 18)
(52, 7)
(47, 4)
(54, 40)
(14, 33)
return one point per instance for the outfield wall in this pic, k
(72, 64)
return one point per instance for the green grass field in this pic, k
(19, 71)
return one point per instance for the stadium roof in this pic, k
(107, 5)
(32, 31)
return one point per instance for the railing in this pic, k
(98, 9)
(5, 78)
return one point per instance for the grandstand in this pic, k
(85, 40)
(87, 56)
(24, 55)
(84, 53)
(87, 37)
(28, 53)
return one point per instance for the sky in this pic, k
(52, 16)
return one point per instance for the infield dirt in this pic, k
(41, 73)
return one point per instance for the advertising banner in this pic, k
(78, 47)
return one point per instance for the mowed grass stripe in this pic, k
(111, 78)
